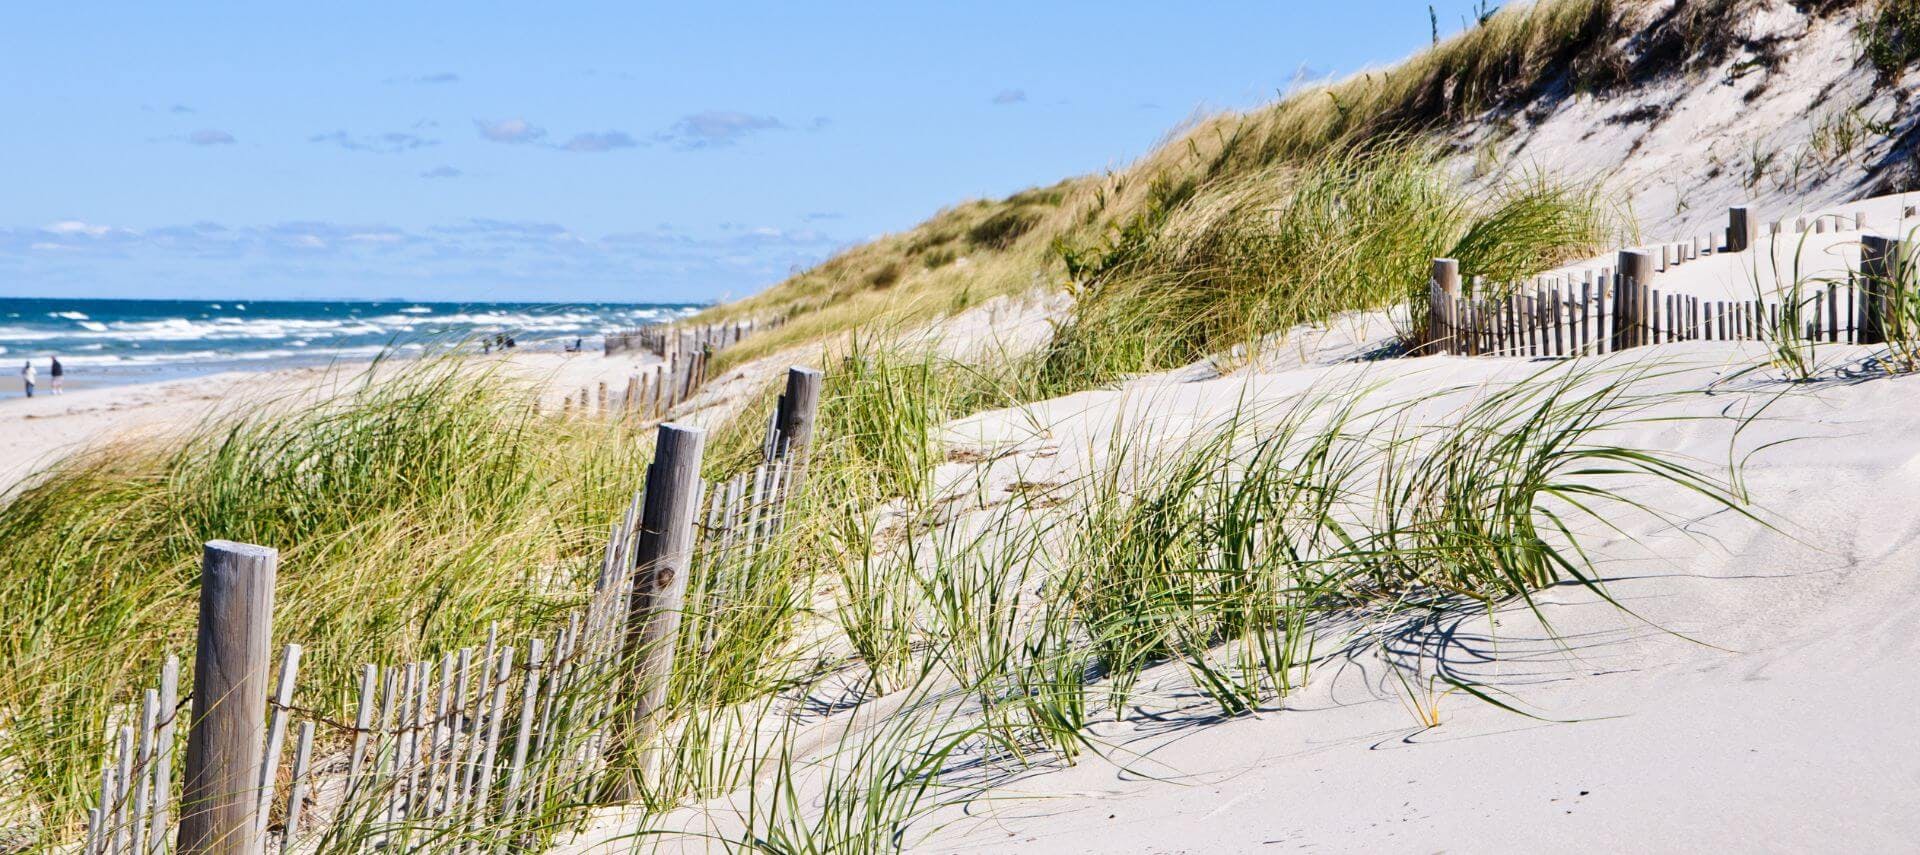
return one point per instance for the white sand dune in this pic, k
(1758, 698)
(1778, 723)
(1755, 694)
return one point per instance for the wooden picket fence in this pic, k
(662, 339)
(444, 752)
(1609, 309)
(652, 392)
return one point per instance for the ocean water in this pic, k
(132, 340)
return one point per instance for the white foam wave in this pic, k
(71, 316)
(136, 360)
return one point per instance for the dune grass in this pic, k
(1298, 244)
(1227, 555)
(1890, 36)
(410, 513)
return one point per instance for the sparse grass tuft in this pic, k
(1890, 36)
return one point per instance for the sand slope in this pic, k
(1791, 117)
(1781, 727)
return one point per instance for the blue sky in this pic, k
(562, 151)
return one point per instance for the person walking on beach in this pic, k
(59, 373)
(27, 377)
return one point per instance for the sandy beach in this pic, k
(37, 432)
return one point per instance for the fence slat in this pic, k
(529, 691)
(483, 789)
(297, 791)
(277, 731)
(122, 837)
(143, 766)
(163, 755)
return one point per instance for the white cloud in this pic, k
(76, 227)
(210, 136)
(509, 130)
(600, 142)
(1305, 75)
(716, 128)
(391, 142)
(528, 255)
(1010, 96)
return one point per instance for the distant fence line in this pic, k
(653, 392)
(450, 752)
(662, 339)
(1614, 308)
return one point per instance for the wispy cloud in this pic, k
(600, 142)
(716, 129)
(77, 227)
(525, 254)
(509, 130)
(392, 142)
(442, 172)
(180, 109)
(210, 136)
(1010, 96)
(1305, 75)
(425, 79)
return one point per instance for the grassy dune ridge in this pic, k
(1525, 59)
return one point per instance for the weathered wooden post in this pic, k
(657, 398)
(793, 420)
(218, 801)
(1880, 266)
(1443, 294)
(1740, 224)
(661, 556)
(1629, 303)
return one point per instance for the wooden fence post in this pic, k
(793, 420)
(1629, 303)
(1880, 263)
(661, 554)
(1739, 229)
(1443, 297)
(218, 802)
